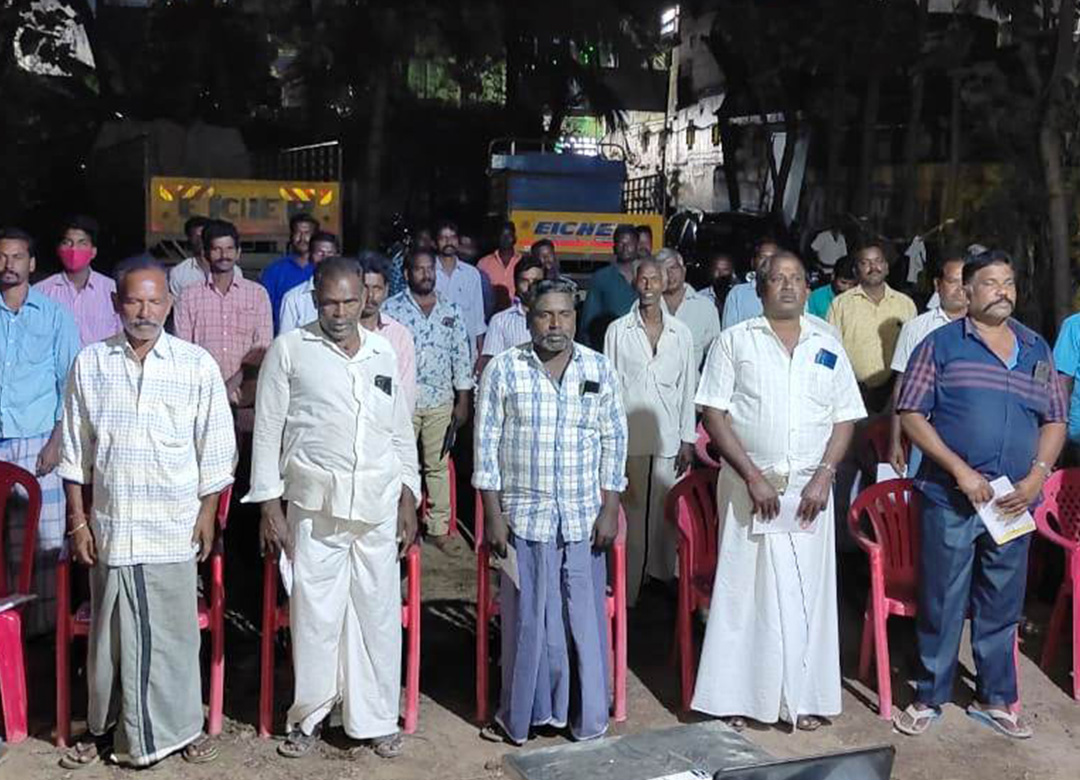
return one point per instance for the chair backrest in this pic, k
(1060, 507)
(891, 509)
(701, 448)
(10, 476)
(223, 507)
(691, 507)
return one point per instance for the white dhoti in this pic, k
(772, 649)
(345, 617)
(650, 541)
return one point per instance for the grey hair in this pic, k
(558, 286)
(667, 253)
(130, 265)
(761, 276)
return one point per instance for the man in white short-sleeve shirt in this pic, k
(780, 402)
(952, 304)
(829, 246)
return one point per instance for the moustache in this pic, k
(145, 324)
(1006, 301)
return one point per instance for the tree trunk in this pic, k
(375, 153)
(911, 134)
(952, 184)
(867, 147)
(835, 188)
(1057, 203)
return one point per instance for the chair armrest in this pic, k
(1047, 532)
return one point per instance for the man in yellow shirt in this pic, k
(869, 318)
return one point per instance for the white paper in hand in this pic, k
(285, 567)
(787, 522)
(886, 471)
(1001, 528)
(509, 565)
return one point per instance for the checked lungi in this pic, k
(39, 616)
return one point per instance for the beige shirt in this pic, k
(657, 389)
(333, 433)
(869, 330)
(699, 314)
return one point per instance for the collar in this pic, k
(409, 297)
(34, 300)
(91, 281)
(858, 290)
(528, 353)
(1023, 335)
(162, 348)
(233, 282)
(807, 329)
(439, 266)
(636, 321)
(368, 348)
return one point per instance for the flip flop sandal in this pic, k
(201, 751)
(390, 746)
(914, 721)
(809, 722)
(493, 732)
(85, 753)
(1001, 721)
(297, 744)
(735, 722)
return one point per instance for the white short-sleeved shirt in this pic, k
(508, 328)
(699, 314)
(783, 407)
(912, 334)
(829, 248)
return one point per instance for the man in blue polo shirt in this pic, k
(1067, 358)
(292, 269)
(982, 400)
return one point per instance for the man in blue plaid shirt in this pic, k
(551, 462)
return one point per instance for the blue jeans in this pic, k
(962, 570)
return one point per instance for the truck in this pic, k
(574, 200)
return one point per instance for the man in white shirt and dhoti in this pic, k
(654, 357)
(147, 424)
(780, 401)
(333, 438)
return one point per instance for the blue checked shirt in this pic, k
(443, 362)
(550, 449)
(153, 438)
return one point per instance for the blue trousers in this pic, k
(962, 570)
(554, 640)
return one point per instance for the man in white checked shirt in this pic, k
(653, 355)
(509, 327)
(780, 402)
(147, 424)
(551, 457)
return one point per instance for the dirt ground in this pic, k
(446, 744)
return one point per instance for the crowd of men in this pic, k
(354, 377)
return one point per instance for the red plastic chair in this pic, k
(421, 511)
(73, 623)
(487, 606)
(276, 617)
(891, 509)
(1058, 520)
(12, 669)
(701, 448)
(691, 507)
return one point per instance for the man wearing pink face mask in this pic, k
(79, 288)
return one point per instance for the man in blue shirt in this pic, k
(1067, 358)
(292, 269)
(38, 343)
(611, 290)
(743, 302)
(982, 401)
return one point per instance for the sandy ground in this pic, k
(446, 744)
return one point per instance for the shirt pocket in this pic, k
(35, 346)
(172, 424)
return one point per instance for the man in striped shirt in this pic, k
(982, 401)
(551, 463)
(227, 316)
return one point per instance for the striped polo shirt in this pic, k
(986, 411)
